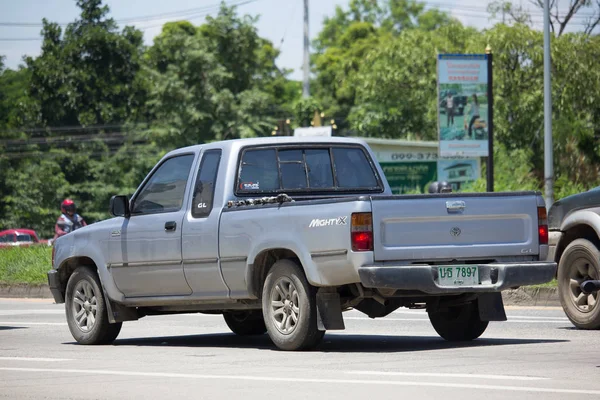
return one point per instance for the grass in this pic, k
(25, 264)
(552, 284)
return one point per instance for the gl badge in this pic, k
(455, 231)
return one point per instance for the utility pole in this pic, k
(548, 155)
(306, 84)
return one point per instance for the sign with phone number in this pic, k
(412, 156)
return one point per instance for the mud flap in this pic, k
(329, 311)
(491, 307)
(118, 313)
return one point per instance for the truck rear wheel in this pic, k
(459, 323)
(245, 323)
(579, 262)
(290, 308)
(87, 315)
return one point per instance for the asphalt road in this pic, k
(537, 354)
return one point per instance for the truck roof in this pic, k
(235, 144)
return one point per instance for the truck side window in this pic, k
(204, 190)
(258, 171)
(165, 189)
(352, 168)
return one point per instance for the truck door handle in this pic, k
(170, 226)
(455, 206)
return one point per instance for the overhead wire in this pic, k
(579, 19)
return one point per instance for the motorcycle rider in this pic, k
(69, 220)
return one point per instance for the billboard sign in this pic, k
(463, 105)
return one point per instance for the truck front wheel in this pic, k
(245, 323)
(289, 308)
(459, 323)
(579, 262)
(87, 315)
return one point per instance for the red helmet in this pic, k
(67, 205)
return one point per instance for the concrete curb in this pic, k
(532, 296)
(525, 296)
(24, 290)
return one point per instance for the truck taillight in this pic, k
(361, 232)
(542, 225)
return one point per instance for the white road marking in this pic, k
(449, 375)
(427, 320)
(234, 377)
(34, 359)
(536, 317)
(30, 312)
(386, 319)
(17, 323)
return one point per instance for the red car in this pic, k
(18, 237)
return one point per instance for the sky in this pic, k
(281, 21)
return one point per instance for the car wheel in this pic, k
(579, 262)
(86, 311)
(289, 307)
(245, 323)
(459, 323)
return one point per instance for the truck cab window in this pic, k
(318, 164)
(204, 190)
(258, 171)
(353, 169)
(165, 190)
(293, 170)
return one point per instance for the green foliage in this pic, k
(305, 109)
(85, 77)
(397, 94)
(218, 81)
(518, 100)
(34, 192)
(25, 264)
(512, 172)
(407, 37)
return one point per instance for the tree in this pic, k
(518, 99)
(559, 20)
(582, 13)
(217, 81)
(350, 35)
(396, 91)
(33, 196)
(83, 86)
(86, 76)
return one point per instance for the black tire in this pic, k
(583, 310)
(302, 334)
(245, 323)
(101, 331)
(460, 323)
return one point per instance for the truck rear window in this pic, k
(292, 169)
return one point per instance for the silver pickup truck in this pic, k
(281, 235)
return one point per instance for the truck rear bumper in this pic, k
(492, 277)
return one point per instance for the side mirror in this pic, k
(119, 206)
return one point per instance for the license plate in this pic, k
(458, 275)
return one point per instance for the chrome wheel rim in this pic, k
(285, 310)
(582, 270)
(84, 306)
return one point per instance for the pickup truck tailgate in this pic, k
(450, 227)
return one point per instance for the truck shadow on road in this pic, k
(335, 343)
(9, 328)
